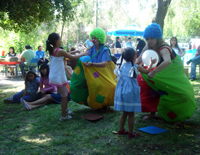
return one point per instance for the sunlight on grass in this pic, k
(40, 140)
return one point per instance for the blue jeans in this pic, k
(16, 98)
(195, 61)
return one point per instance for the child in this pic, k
(32, 82)
(57, 75)
(48, 98)
(68, 69)
(127, 93)
(45, 87)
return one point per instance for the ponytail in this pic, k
(51, 42)
(121, 60)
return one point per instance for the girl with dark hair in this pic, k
(127, 93)
(175, 47)
(44, 81)
(57, 75)
(11, 54)
(32, 82)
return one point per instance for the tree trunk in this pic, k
(161, 12)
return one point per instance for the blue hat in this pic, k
(153, 30)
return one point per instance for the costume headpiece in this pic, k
(153, 30)
(99, 34)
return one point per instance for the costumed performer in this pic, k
(176, 101)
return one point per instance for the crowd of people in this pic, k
(164, 89)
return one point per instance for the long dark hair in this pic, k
(176, 45)
(30, 72)
(44, 66)
(128, 56)
(12, 49)
(51, 42)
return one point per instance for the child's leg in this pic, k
(43, 101)
(64, 94)
(64, 105)
(131, 121)
(122, 121)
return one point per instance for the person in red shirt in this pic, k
(195, 61)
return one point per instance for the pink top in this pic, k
(47, 87)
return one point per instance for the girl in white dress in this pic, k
(57, 75)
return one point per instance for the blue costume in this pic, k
(127, 92)
(103, 55)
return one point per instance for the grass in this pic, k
(39, 131)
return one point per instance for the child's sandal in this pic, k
(135, 134)
(69, 112)
(123, 132)
(65, 118)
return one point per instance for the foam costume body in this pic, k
(176, 101)
(94, 86)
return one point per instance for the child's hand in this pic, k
(152, 61)
(88, 64)
(84, 53)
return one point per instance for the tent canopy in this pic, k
(131, 30)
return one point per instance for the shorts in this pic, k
(63, 91)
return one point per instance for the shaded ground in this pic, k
(40, 132)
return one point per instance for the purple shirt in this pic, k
(47, 87)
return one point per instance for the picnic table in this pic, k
(7, 64)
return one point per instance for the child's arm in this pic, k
(62, 52)
(74, 52)
(148, 70)
(69, 71)
(41, 85)
(25, 90)
(100, 64)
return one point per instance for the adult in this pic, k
(195, 61)
(141, 44)
(41, 55)
(129, 43)
(28, 54)
(117, 43)
(176, 95)
(11, 54)
(175, 46)
(94, 80)
(88, 43)
(190, 45)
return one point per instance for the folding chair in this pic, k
(33, 60)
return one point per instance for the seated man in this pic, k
(195, 61)
(129, 43)
(41, 55)
(28, 54)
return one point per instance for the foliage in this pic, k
(39, 131)
(24, 15)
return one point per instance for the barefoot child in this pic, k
(127, 93)
(57, 75)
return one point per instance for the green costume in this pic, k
(177, 101)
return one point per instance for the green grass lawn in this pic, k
(39, 131)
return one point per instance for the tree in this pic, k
(163, 6)
(24, 15)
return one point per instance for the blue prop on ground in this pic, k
(85, 58)
(152, 130)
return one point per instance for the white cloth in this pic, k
(57, 75)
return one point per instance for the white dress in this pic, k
(57, 75)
